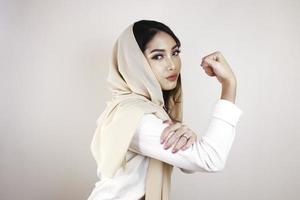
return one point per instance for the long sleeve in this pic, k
(209, 153)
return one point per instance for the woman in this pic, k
(134, 135)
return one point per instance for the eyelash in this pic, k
(155, 57)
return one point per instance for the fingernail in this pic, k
(174, 151)
(161, 141)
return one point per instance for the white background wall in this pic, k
(54, 60)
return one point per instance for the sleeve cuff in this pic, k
(227, 111)
(187, 171)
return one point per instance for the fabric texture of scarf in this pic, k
(135, 92)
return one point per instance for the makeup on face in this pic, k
(155, 57)
(172, 78)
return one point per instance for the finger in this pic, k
(205, 64)
(189, 143)
(167, 131)
(189, 134)
(169, 122)
(180, 143)
(210, 73)
(214, 56)
(175, 137)
(210, 62)
(216, 67)
(169, 141)
(208, 70)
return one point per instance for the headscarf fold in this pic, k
(135, 92)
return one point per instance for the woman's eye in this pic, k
(156, 57)
(177, 52)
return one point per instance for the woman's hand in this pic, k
(215, 64)
(180, 142)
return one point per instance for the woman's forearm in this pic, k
(229, 90)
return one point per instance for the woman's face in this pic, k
(162, 54)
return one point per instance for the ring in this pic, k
(187, 138)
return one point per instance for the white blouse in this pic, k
(207, 154)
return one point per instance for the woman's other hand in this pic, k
(176, 139)
(215, 64)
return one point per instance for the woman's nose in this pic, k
(171, 65)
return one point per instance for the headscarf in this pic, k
(135, 92)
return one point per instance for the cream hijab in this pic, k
(135, 91)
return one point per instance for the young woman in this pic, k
(140, 135)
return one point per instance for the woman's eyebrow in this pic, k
(163, 49)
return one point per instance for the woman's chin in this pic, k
(169, 87)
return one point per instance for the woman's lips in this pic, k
(172, 78)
